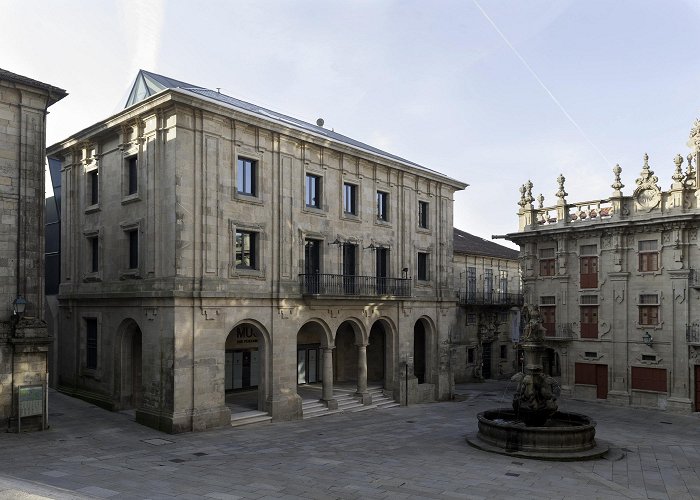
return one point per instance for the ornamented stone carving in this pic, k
(528, 186)
(210, 313)
(523, 200)
(679, 295)
(150, 313)
(540, 201)
(648, 193)
(619, 295)
(617, 185)
(678, 173)
(561, 193)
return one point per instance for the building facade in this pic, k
(24, 336)
(488, 286)
(616, 284)
(210, 246)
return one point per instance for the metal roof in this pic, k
(148, 84)
(466, 243)
(55, 93)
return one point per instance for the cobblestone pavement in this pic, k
(403, 452)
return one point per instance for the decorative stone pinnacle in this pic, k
(522, 201)
(678, 174)
(647, 177)
(690, 163)
(561, 193)
(617, 185)
(529, 186)
(540, 200)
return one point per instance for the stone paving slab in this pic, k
(402, 452)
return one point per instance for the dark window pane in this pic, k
(350, 199)
(94, 187)
(132, 174)
(423, 214)
(422, 266)
(313, 191)
(382, 201)
(94, 249)
(246, 176)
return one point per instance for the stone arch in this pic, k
(324, 331)
(128, 369)
(247, 361)
(349, 334)
(386, 355)
(425, 350)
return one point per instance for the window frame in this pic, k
(94, 187)
(648, 259)
(317, 182)
(547, 263)
(253, 252)
(423, 266)
(350, 199)
(382, 206)
(649, 309)
(133, 259)
(247, 169)
(423, 215)
(131, 172)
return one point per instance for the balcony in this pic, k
(694, 279)
(562, 332)
(467, 298)
(692, 333)
(339, 285)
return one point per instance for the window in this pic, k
(649, 309)
(350, 199)
(133, 248)
(589, 266)
(503, 284)
(504, 352)
(382, 206)
(132, 179)
(589, 322)
(246, 180)
(488, 285)
(93, 244)
(313, 191)
(91, 343)
(423, 274)
(548, 313)
(648, 255)
(312, 266)
(470, 355)
(94, 186)
(246, 251)
(471, 319)
(649, 379)
(471, 284)
(423, 214)
(503, 316)
(547, 262)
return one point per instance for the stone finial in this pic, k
(561, 193)
(678, 173)
(647, 177)
(690, 162)
(540, 201)
(690, 173)
(617, 185)
(528, 186)
(522, 201)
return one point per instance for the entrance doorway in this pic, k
(131, 365)
(376, 355)
(419, 350)
(309, 363)
(244, 369)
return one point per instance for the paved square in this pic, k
(403, 452)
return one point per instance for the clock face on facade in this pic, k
(648, 198)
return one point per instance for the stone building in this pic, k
(210, 246)
(23, 333)
(616, 283)
(488, 284)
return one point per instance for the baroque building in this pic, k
(616, 283)
(489, 291)
(210, 246)
(24, 338)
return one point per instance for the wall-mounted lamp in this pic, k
(19, 306)
(404, 272)
(648, 339)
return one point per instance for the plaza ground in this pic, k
(402, 452)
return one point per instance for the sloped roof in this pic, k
(55, 93)
(473, 245)
(148, 84)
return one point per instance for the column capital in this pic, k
(327, 347)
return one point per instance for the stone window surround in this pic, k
(126, 227)
(541, 260)
(659, 296)
(321, 238)
(84, 370)
(323, 207)
(425, 203)
(350, 216)
(659, 249)
(128, 154)
(89, 206)
(428, 262)
(260, 249)
(88, 274)
(387, 208)
(256, 156)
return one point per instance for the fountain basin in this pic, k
(564, 436)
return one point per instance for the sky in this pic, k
(490, 92)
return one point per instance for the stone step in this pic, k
(249, 417)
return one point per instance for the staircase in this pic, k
(249, 417)
(347, 403)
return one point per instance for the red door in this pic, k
(548, 320)
(601, 381)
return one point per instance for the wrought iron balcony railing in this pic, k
(562, 331)
(694, 279)
(354, 286)
(692, 333)
(495, 298)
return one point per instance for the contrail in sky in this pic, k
(539, 80)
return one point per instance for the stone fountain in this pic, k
(534, 428)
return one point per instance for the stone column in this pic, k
(327, 396)
(362, 374)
